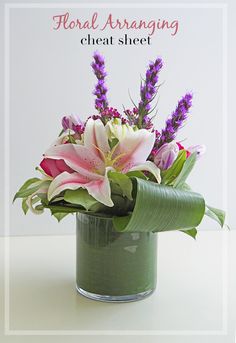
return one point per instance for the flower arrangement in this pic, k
(118, 165)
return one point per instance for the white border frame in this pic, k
(7, 202)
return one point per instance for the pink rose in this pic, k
(54, 167)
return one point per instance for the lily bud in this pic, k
(115, 129)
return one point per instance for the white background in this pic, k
(40, 60)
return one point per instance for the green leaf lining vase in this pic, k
(114, 266)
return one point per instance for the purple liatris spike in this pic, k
(100, 91)
(148, 89)
(176, 120)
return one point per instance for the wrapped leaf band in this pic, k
(166, 208)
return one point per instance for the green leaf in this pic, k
(32, 188)
(39, 207)
(25, 207)
(161, 208)
(63, 209)
(136, 173)
(120, 223)
(191, 232)
(185, 187)
(124, 182)
(71, 139)
(80, 197)
(169, 175)
(215, 214)
(27, 188)
(113, 142)
(186, 170)
(59, 216)
(122, 205)
(44, 198)
(62, 131)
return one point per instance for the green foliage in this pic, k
(80, 197)
(113, 142)
(28, 188)
(24, 205)
(59, 216)
(191, 232)
(137, 173)
(185, 187)
(63, 208)
(168, 176)
(123, 181)
(139, 204)
(71, 139)
(162, 208)
(185, 171)
(121, 223)
(43, 197)
(215, 214)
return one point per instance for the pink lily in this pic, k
(92, 161)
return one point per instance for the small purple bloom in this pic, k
(94, 117)
(73, 122)
(199, 149)
(132, 116)
(109, 113)
(176, 120)
(100, 91)
(166, 155)
(147, 123)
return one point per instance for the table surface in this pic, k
(190, 299)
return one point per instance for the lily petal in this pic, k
(99, 189)
(95, 137)
(133, 149)
(66, 181)
(79, 158)
(151, 167)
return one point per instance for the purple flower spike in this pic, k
(149, 88)
(176, 120)
(100, 91)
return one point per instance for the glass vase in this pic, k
(113, 266)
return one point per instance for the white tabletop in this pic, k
(190, 302)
